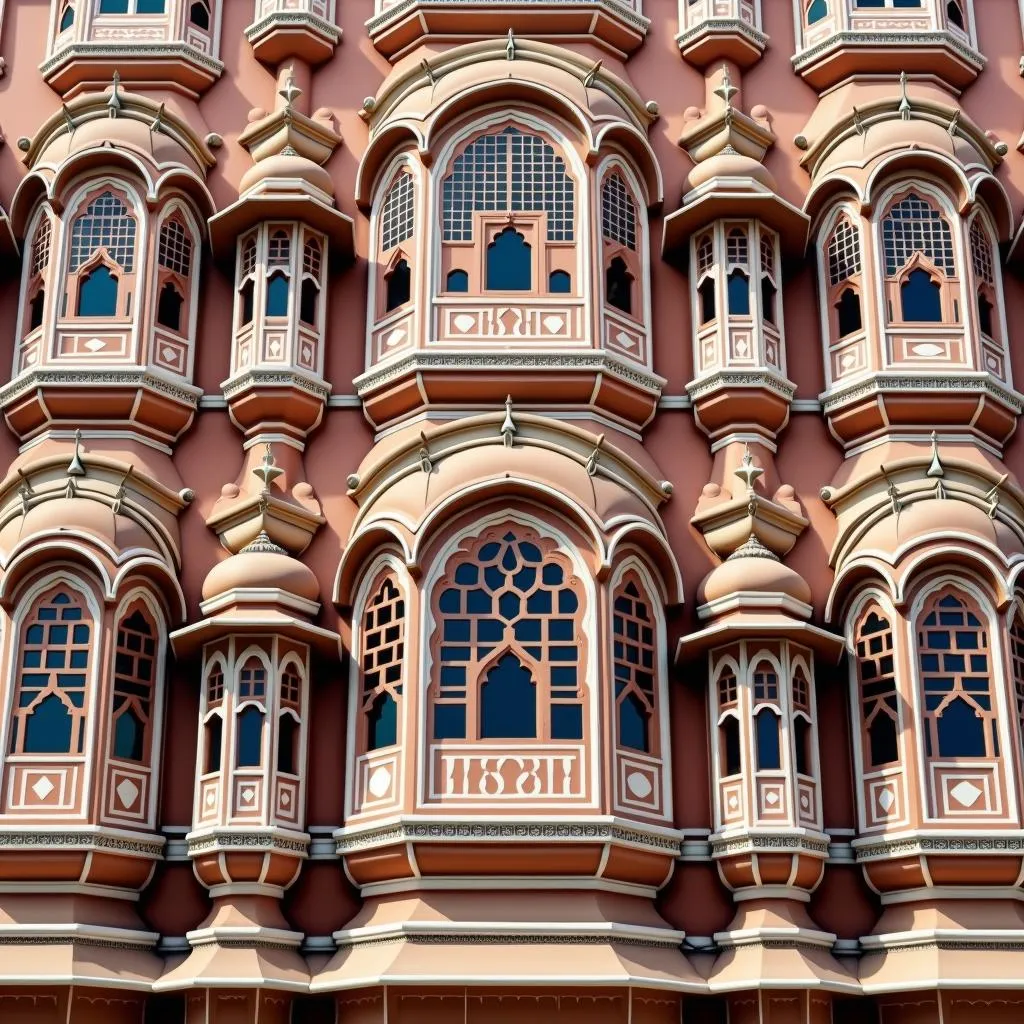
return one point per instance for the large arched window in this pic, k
(803, 731)
(36, 279)
(918, 256)
(135, 668)
(619, 234)
(766, 717)
(706, 286)
(397, 229)
(635, 667)
(53, 664)
(174, 260)
(983, 270)
(737, 250)
(250, 713)
(279, 263)
(101, 263)
(509, 652)
(730, 749)
(383, 663)
(289, 719)
(213, 722)
(845, 280)
(508, 209)
(247, 281)
(954, 660)
(876, 679)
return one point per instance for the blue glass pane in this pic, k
(739, 294)
(920, 298)
(67, 19)
(817, 11)
(567, 721)
(508, 263)
(250, 737)
(508, 702)
(97, 294)
(382, 722)
(128, 736)
(277, 295)
(457, 281)
(48, 728)
(559, 283)
(399, 286)
(767, 727)
(113, 6)
(633, 724)
(450, 722)
(149, 6)
(961, 731)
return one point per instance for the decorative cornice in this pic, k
(875, 383)
(40, 838)
(861, 40)
(812, 844)
(971, 845)
(228, 840)
(175, 50)
(720, 27)
(293, 19)
(186, 394)
(255, 378)
(416, 362)
(721, 379)
(353, 840)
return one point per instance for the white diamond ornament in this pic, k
(965, 793)
(379, 782)
(127, 793)
(886, 800)
(43, 787)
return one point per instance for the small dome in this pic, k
(262, 565)
(753, 569)
(730, 164)
(284, 167)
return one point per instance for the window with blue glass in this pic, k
(766, 717)
(135, 668)
(252, 695)
(383, 662)
(634, 659)
(53, 668)
(509, 662)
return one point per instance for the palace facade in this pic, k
(511, 511)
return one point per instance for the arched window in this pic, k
(213, 726)
(876, 680)
(955, 14)
(983, 268)
(519, 184)
(802, 732)
(40, 261)
(199, 15)
(252, 695)
(398, 284)
(135, 671)
(729, 747)
(168, 308)
(247, 281)
(1017, 667)
(706, 279)
(619, 236)
(288, 720)
(67, 18)
(174, 258)
(309, 299)
(396, 222)
(816, 10)
(634, 654)
(559, 282)
(175, 249)
(457, 281)
(766, 718)
(844, 278)
(738, 271)
(383, 663)
(509, 612)
(769, 287)
(279, 258)
(102, 252)
(53, 668)
(954, 661)
(918, 253)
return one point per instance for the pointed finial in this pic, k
(289, 92)
(935, 469)
(904, 107)
(954, 122)
(895, 500)
(591, 75)
(268, 470)
(69, 121)
(428, 71)
(122, 488)
(158, 121)
(858, 125)
(594, 457)
(992, 497)
(508, 427)
(76, 467)
(114, 103)
(747, 471)
(510, 46)
(424, 454)
(726, 90)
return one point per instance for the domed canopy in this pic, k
(281, 171)
(261, 565)
(752, 569)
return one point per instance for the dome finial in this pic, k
(747, 471)
(76, 467)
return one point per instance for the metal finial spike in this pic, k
(114, 103)
(954, 123)
(992, 497)
(26, 484)
(747, 471)
(70, 490)
(158, 121)
(904, 107)
(591, 75)
(510, 46)
(858, 125)
(68, 119)
(76, 467)
(935, 469)
(508, 426)
(726, 90)
(595, 455)
(268, 470)
(289, 92)
(428, 71)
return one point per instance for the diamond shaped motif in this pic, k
(396, 337)
(286, 799)
(94, 344)
(805, 801)
(127, 792)
(274, 348)
(168, 354)
(965, 793)
(43, 787)
(625, 340)
(733, 802)
(463, 322)
(379, 782)
(248, 795)
(307, 354)
(211, 798)
(886, 800)
(553, 324)
(771, 799)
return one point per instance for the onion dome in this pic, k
(730, 164)
(287, 170)
(261, 565)
(753, 569)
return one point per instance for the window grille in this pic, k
(214, 686)
(280, 253)
(249, 257)
(397, 217)
(736, 251)
(311, 258)
(1017, 664)
(766, 683)
(510, 171)
(768, 254)
(843, 253)
(252, 682)
(981, 254)
(175, 251)
(727, 689)
(106, 224)
(41, 246)
(913, 226)
(801, 691)
(705, 255)
(291, 687)
(134, 675)
(384, 640)
(618, 213)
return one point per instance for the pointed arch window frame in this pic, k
(177, 265)
(392, 647)
(621, 215)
